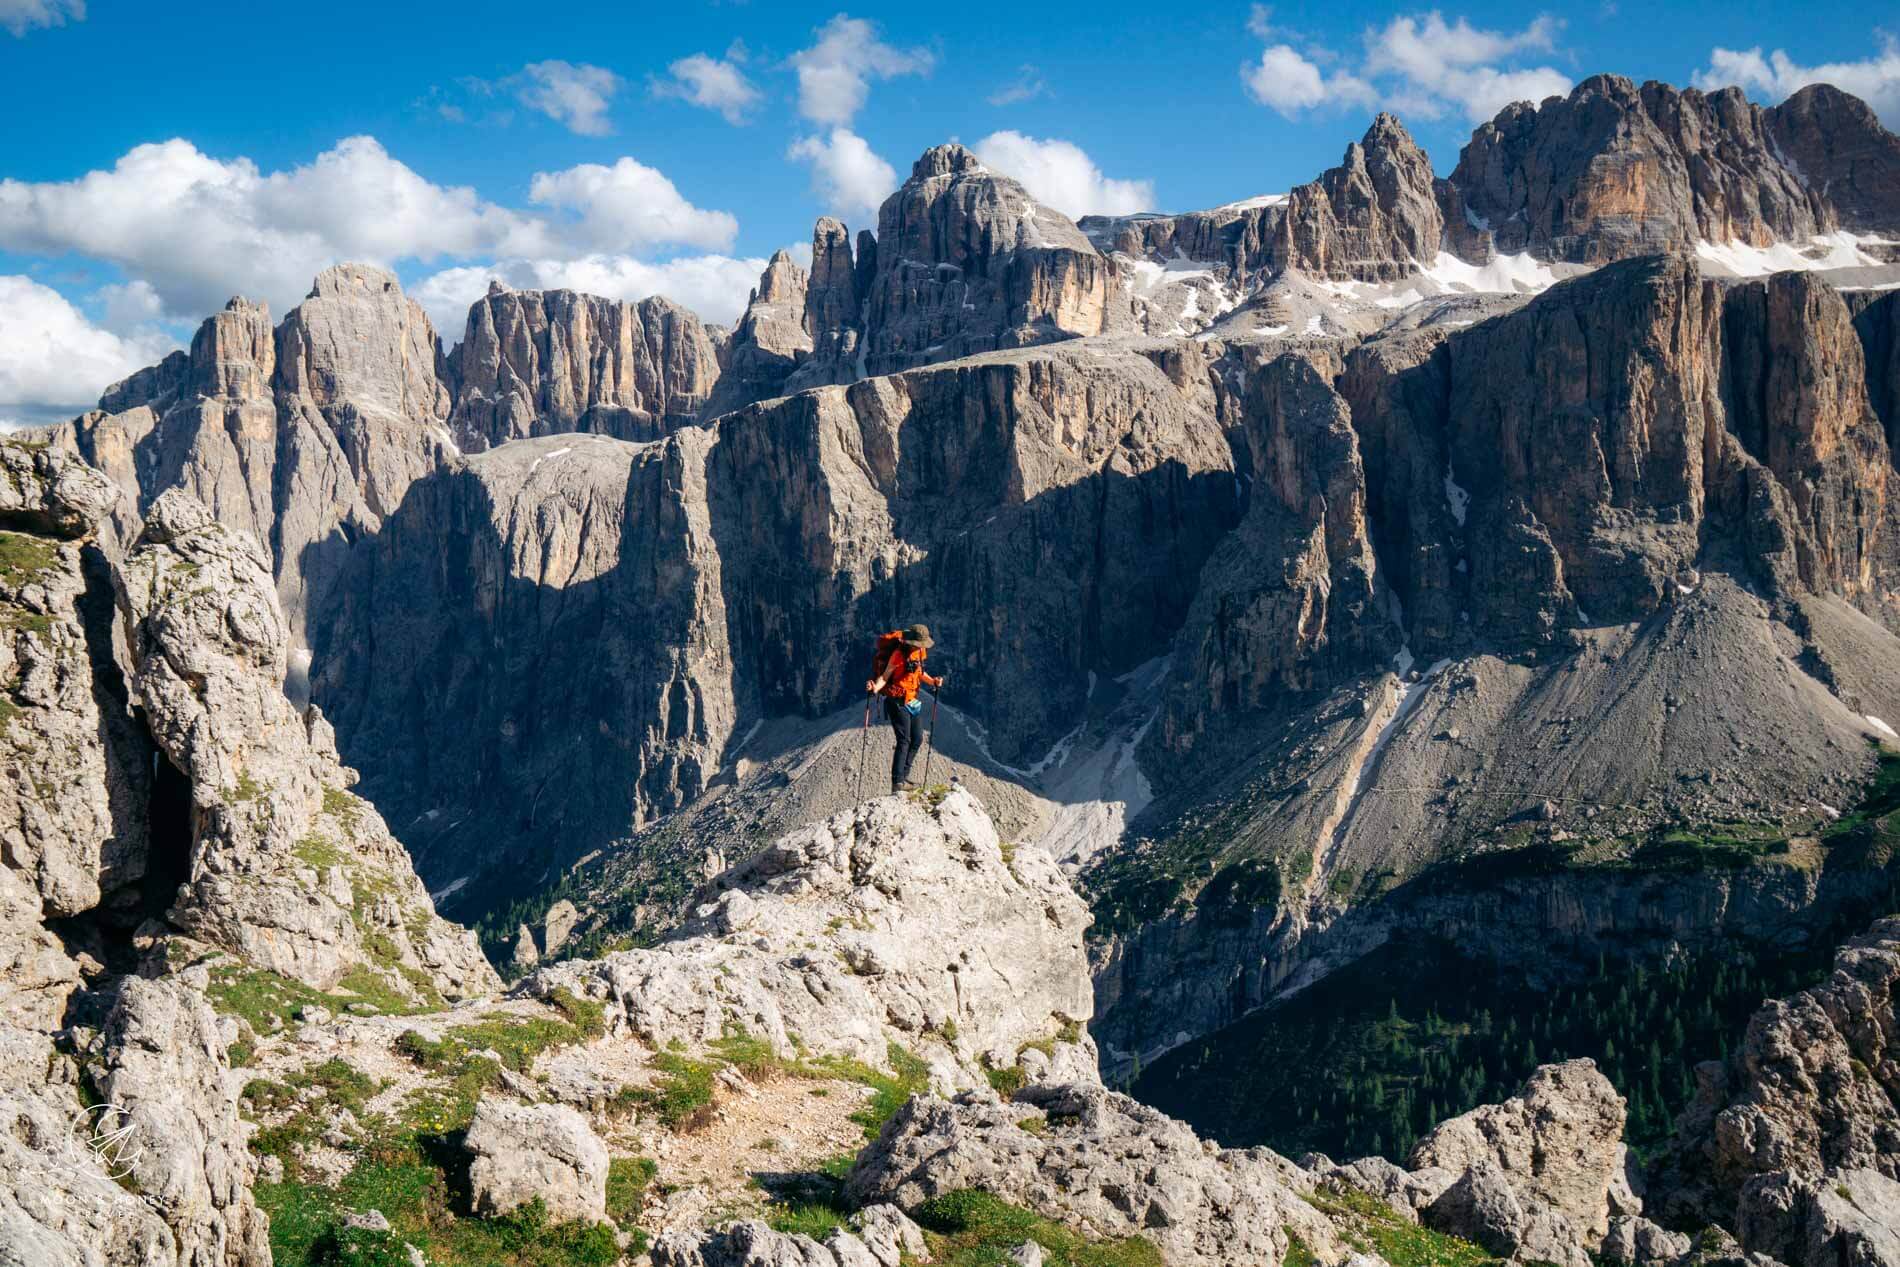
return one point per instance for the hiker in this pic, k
(900, 670)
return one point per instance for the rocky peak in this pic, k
(945, 160)
(1614, 170)
(968, 262)
(771, 340)
(357, 342)
(208, 648)
(1375, 217)
(1834, 142)
(234, 353)
(932, 938)
(540, 362)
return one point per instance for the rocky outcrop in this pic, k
(1810, 1095)
(773, 336)
(1557, 1144)
(1836, 144)
(286, 868)
(1616, 170)
(968, 262)
(895, 923)
(881, 1237)
(76, 779)
(536, 1152)
(162, 1067)
(1104, 1164)
(1375, 217)
(538, 363)
(833, 305)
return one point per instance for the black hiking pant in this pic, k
(909, 729)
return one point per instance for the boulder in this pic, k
(1483, 1207)
(1103, 1164)
(1558, 1143)
(883, 1237)
(1635, 1240)
(899, 922)
(526, 1152)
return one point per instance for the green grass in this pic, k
(320, 853)
(816, 1219)
(627, 1181)
(1007, 1082)
(970, 1228)
(682, 1096)
(25, 558)
(1370, 1225)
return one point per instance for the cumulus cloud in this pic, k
(1875, 79)
(1288, 82)
(1027, 86)
(712, 83)
(193, 230)
(1419, 64)
(629, 205)
(576, 97)
(21, 16)
(848, 177)
(834, 74)
(1060, 174)
(53, 361)
(714, 286)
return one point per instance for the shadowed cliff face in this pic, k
(559, 640)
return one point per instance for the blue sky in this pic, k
(158, 158)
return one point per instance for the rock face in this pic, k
(1048, 510)
(1614, 170)
(163, 1067)
(1809, 1097)
(72, 820)
(933, 940)
(527, 1152)
(1103, 1163)
(1837, 144)
(968, 262)
(541, 362)
(772, 338)
(883, 1237)
(1375, 217)
(1557, 1144)
(208, 649)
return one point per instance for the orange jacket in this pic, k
(904, 672)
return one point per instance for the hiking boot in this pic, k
(905, 785)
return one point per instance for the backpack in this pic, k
(888, 645)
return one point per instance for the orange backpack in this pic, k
(888, 645)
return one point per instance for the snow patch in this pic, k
(1881, 726)
(1251, 204)
(548, 457)
(1456, 497)
(1503, 274)
(1826, 250)
(454, 886)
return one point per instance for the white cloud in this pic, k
(577, 97)
(834, 74)
(1027, 86)
(712, 83)
(1060, 174)
(53, 361)
(1449, 65)
(1419, 64)
(629, 205)
(845, 174)
(1289, 83)
(714, 286)
(21, 16)
(194, 229)
(1875, 80)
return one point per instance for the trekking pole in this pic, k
(931, 735)
(864, 746)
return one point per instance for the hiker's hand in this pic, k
(872, 688)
